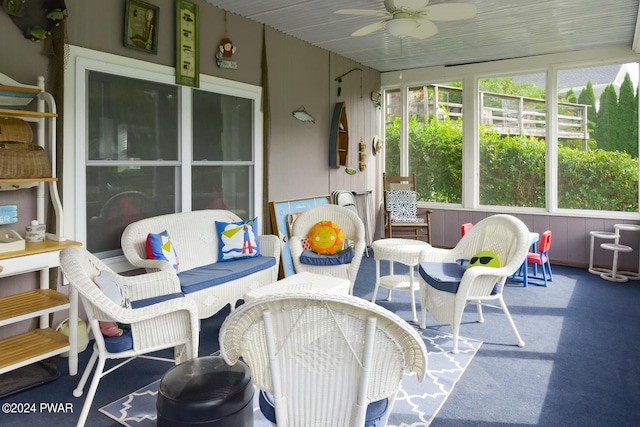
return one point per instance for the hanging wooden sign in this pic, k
(224, 54)
(187, 44)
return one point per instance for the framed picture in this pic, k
(141, 26)
(187, 44)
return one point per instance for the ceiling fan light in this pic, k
(402, 27)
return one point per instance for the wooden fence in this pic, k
(506, 114)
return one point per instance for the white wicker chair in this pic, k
(504, 235)
(353, 229)
(322, 357)
(171, 323)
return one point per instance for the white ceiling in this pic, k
(502, 29)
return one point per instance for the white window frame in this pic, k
(470, 75)
(82, 60)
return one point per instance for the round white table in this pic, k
(599, 235)
(614, 275)
(404, 251)
(301, 282)
(631, 275)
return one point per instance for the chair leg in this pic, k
(549, 270)
(479, 308)
(93, 387)
(182, 353)
(423, 304)
(518, 272)
(456, 331)
(77, 392)
(511, 322)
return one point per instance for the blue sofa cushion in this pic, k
(444, 276)
(343, 257)
(376, 411)
(154, 300)
(217, 273)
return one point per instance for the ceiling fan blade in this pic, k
(413, 5)
(425, 30)
(368, 29)
(449, 11)
(362, 12)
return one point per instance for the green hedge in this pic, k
(512, 169)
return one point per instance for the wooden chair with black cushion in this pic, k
(401, 209)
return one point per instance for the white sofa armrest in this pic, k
(269, 245)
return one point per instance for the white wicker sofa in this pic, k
(211, 284)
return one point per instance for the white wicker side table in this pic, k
(302, 282)
(405, 251)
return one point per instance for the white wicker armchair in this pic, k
(166, 324)
(508, 238)
(353, 229)
(323, 357)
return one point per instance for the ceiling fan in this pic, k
(411, 18)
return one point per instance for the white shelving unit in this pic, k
(44, 342)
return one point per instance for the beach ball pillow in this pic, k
(159, 247)
(484, 259)
(326, 238)
(237, 240)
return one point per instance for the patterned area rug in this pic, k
(416, 403)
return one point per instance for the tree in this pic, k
(627, 119)
(570, 96)
(506, 85)
(588, 97)
(392, 145)
(512, 169)
(606, 119)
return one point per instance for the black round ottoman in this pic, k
(205, 391)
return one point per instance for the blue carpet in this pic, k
(579, 367)
(416, 403)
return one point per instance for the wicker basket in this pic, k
(19, 157)
(14, 129)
